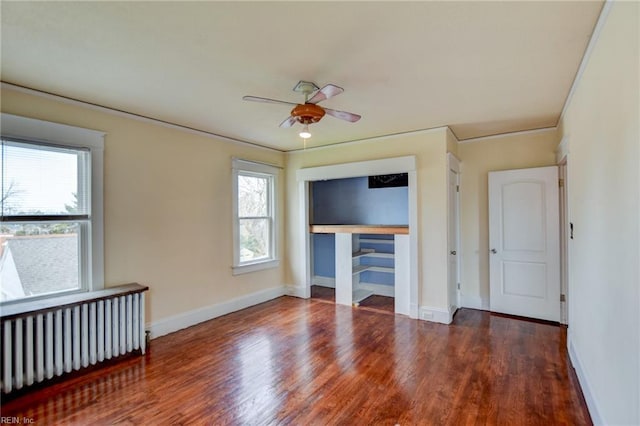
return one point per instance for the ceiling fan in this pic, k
(309, 112)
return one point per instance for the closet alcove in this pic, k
(359, 239)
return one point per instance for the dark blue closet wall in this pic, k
(351, 202)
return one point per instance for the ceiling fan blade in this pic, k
(342, 115)
(326, 92)
(289, 122)
(266, 100)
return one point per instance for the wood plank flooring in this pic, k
(323, 293)
(378, 303)
(373, 303)
(308, 362)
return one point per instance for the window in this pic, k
(50, 209)
(254, 230)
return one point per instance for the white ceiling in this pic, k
(481, 68)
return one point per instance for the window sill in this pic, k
(253, 267)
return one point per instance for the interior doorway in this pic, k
(365, 200)
(408, 291)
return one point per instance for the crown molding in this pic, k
(138, 117)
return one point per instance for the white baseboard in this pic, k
(379, 289)
(440, 315)
(474, 302)
(196, 316)
(414, 310)
(323, 281)
(297, 291)
(592, 405)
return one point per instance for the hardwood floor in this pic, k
(372, 303)
(378, 304)
(323, 293)
(308, 362)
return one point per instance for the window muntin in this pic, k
(254, 216)
(45, 213)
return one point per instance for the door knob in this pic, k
(453, 252)
(494, 251)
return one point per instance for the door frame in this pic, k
(564, 243)
(357, 169)
(454, 165)
(562, 160)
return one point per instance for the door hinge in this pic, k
(458, 286)
(457, 188)
(563, 298)
(561, 183)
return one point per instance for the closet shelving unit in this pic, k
(357, 294)
(360, 293)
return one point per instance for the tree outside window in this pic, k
(255, 213)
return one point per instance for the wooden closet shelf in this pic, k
(359, 229)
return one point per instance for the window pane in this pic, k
(38, 259)
(254, 239)
(43, 180)
(252, 196)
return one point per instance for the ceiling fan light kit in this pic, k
(304, 133)
(308, 112)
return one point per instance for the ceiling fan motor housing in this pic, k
(307, 113)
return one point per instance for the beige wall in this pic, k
(602, 127)
(167, 207)
(430, 149)
(517, 151)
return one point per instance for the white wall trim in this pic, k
(370, 139)
(509, 134)
(321, 281)
(304, 194)
(240, 167)
(439, 315)
(604, 13)
(378, 289)
(592, 404)
(454, 166)
(62, 134)
(562, 150)
(405, 164)
(48, 131)
(196, 316)
(132, 116)
(414, 262)
(359, 168)
(474, 302)
(453, 162)
(253, 267)
(297, 291)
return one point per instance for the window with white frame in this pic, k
(50, 209)
(254, 189)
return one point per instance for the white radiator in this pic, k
(40, 344)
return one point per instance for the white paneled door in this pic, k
(524, 257)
